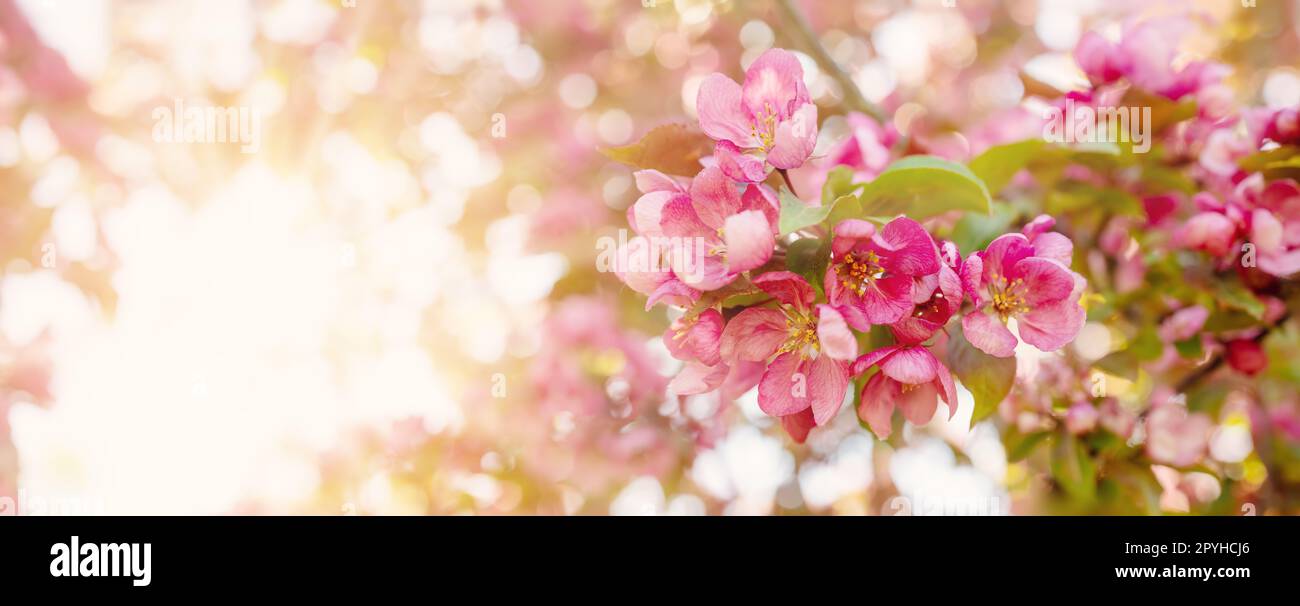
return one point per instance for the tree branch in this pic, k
(1204, 371)
(813, 46)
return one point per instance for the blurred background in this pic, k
(388, 303)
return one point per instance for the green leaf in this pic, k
(988, 378)
(674, 149)
(1147, 345)
(998, 164)
(808, 257)
(1122, 364)
(922, 187)
(795, 215)
(1021, 445)
(1073, 469)
(839, 183)
(974, 231)
(1236, 296)
(1262, 160)
(1076, 196)
(1191, 349)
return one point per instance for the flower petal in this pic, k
(1054, 246)
(749, 241)
(906, 248)
(714, 197)
(919, 403)
(887, 300)
(867, 360)
(1002, 255)
(696, 378)
(784, 388)
(699, 341)
(911, 366)
(774, 83)
(972, 276)
(836, 339)
(988, 334)
(788, 287)
(650, 181)
(753, 335)
(722, 115)
(828, 381)
(947, 389)
(1046, 281)
(738, 165)
(876, 406)
(1051, 327)
(795, 139)
(798, 425)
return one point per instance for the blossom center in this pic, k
(1007, 296)
(802, 337)
(856, 273)
(764, 128)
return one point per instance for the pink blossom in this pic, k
(1275, 228)
(1026, 277)
(808, 346)
(1117, 419)
(1281, 126)
(1246, 356)
(696, 340)
(1145, 55)
(1176, 437)
(1211, 232)
(1100, 59)
(871, 275)
(727, 233)
(866, 151)
(1184, 324)
(910, 378)
(650, 273)
(1081, 418)
(769, 122)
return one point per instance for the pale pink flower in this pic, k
(1081, 418)
(911, 379)
(1175, 436)
(769, 122)
(725, 233)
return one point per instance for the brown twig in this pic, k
(785, 176)
(809, 40)
(1204, 370)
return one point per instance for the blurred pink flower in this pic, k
(1175, 436)
(1246, 356)
(1081, 418)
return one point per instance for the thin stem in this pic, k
(786, 177)
(852, 93)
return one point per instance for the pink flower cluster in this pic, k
(1264, 215)
(800, 345)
